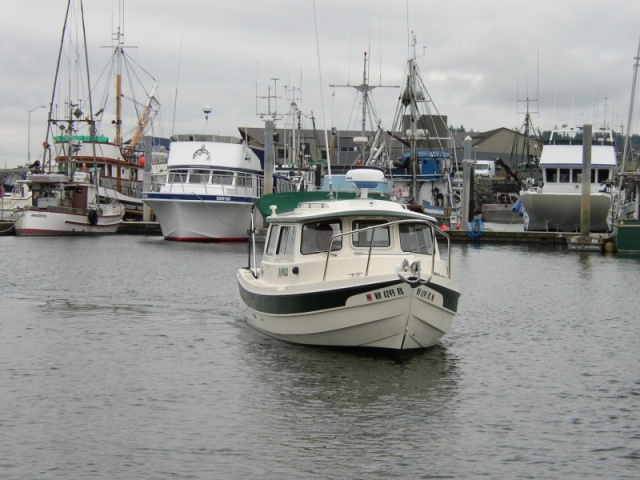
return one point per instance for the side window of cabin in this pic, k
(316, 236)
(603, 175)
(286, 242)
(551, 175)
(416, 238)
(564, 175)
(576, 175)
(379, 236)
(273, 239)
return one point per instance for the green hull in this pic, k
(627, 235)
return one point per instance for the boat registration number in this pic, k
(384, 294)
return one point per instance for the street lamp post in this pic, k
(29, 133)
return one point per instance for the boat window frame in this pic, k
(272, 239)
(361, 226)
(551, 175)
(218, 177)
(309, 238)
(413, 238)
(202, 176)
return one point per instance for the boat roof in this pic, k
(48, 178)
(336, 208)
(569, 155)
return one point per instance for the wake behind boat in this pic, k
(208, 189)
(359, 272)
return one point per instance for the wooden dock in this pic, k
(596, 242)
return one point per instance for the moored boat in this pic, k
(63, 207)
(626, 231)
(67, 201)
(208, 188)
(555, 204)
(358, 272)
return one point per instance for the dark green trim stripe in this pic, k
(326, 299)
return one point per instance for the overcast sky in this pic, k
(481, 61)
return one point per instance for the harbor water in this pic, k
(127, 357)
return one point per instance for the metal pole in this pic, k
(585, 205)
(269, 156)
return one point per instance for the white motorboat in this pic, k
(18, 197)
(359, 272)
(61, 207)
(555, 205)
(207, 190)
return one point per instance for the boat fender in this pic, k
(516, 206)
(476, 228)
(93, 217)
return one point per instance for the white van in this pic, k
(485, 169)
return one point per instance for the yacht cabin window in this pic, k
(222, 178)
(199, 176)
(178, 176)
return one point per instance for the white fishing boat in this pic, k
(555, 204)
(129, 99)
(359, 272)
(67, 201)
(18, 197)
(63, 207)
(208, 188)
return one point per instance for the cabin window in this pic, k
(576, 175)
(565, 175)
(178, 176)
(244, 180)
(286, 241)
(316, 236)
(551, 175)
(272, 242)
(416, 238)
(199, 176)
(380, 235)
(603, 175)
(222, 178)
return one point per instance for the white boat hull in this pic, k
(377, 312)
(201, 220)
(41, 222)
(561, 211)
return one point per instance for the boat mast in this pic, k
(118, 121)
(625, 149)
(411, 85)
(364, 88)
(90, 120)
(627, 138)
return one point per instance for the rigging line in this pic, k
(175, 98)
(53, 93)
(324, 123)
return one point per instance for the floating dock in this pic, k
(573, 241)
